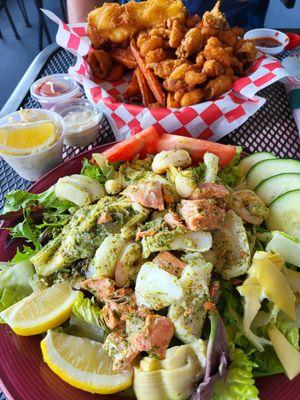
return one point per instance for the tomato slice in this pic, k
(197, 148)
(143, 143)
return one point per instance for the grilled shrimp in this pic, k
(249, 206)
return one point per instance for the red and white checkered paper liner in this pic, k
(209, 120)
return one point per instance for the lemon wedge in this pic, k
(42, 310)
(82, 363)
(27, 138)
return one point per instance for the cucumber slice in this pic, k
(267, 168)
(246, 163)
(284, 214)
(287, 246)
(271, 188)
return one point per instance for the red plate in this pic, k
(24, 375)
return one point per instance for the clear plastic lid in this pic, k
(54, 88)
(79, 115)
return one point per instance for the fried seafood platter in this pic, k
(176, 59)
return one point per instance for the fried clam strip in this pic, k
(124, 57)
(147, 95)
(151, 79)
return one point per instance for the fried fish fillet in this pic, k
(115, 23)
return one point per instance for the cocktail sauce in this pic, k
(266, 42)
(50, 88)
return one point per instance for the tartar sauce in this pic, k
(79, 120)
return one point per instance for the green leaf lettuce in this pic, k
(239, 384)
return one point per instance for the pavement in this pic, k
(16, 55)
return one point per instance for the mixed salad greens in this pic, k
(186, 276)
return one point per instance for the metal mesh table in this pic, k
(272, 128)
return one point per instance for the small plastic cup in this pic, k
(53, 89)
(81, 121)
(281, 37)
(33, 166)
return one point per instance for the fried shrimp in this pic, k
(217, 86)
(180, 71)
(160, 31)
(192, 21)
(141, 38)
(218, 53)
(176, 32)
(155, 56)
(192, 97)
(171, 101)
(212, 68)
(245, 49)
(200, 60)
(165, 68)
(191, 44)
(229, 38)
(194, 78)
(237, 66)
(215, 18)
(249, 206)
(176, 80)
(150, 44)
(174, 85)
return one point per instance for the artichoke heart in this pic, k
(172, 378)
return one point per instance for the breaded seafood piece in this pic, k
(155, 56)
(115, 23)
(192, 43)
(192, 97)
(215, 18)
(193, 78)
(176, 32)
(217, 86)
(212, 68)
(245, 50)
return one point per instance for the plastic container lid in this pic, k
(53, 89)
(81, 121)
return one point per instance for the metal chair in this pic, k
(43, 28)
(3, 6)
(23, 10)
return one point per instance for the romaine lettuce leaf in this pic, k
(230, 176)
(14, 283)
(239, 384)
(90, 315)
(289, 328)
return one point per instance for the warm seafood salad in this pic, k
(166, 269)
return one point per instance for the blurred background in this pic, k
(21, 25)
